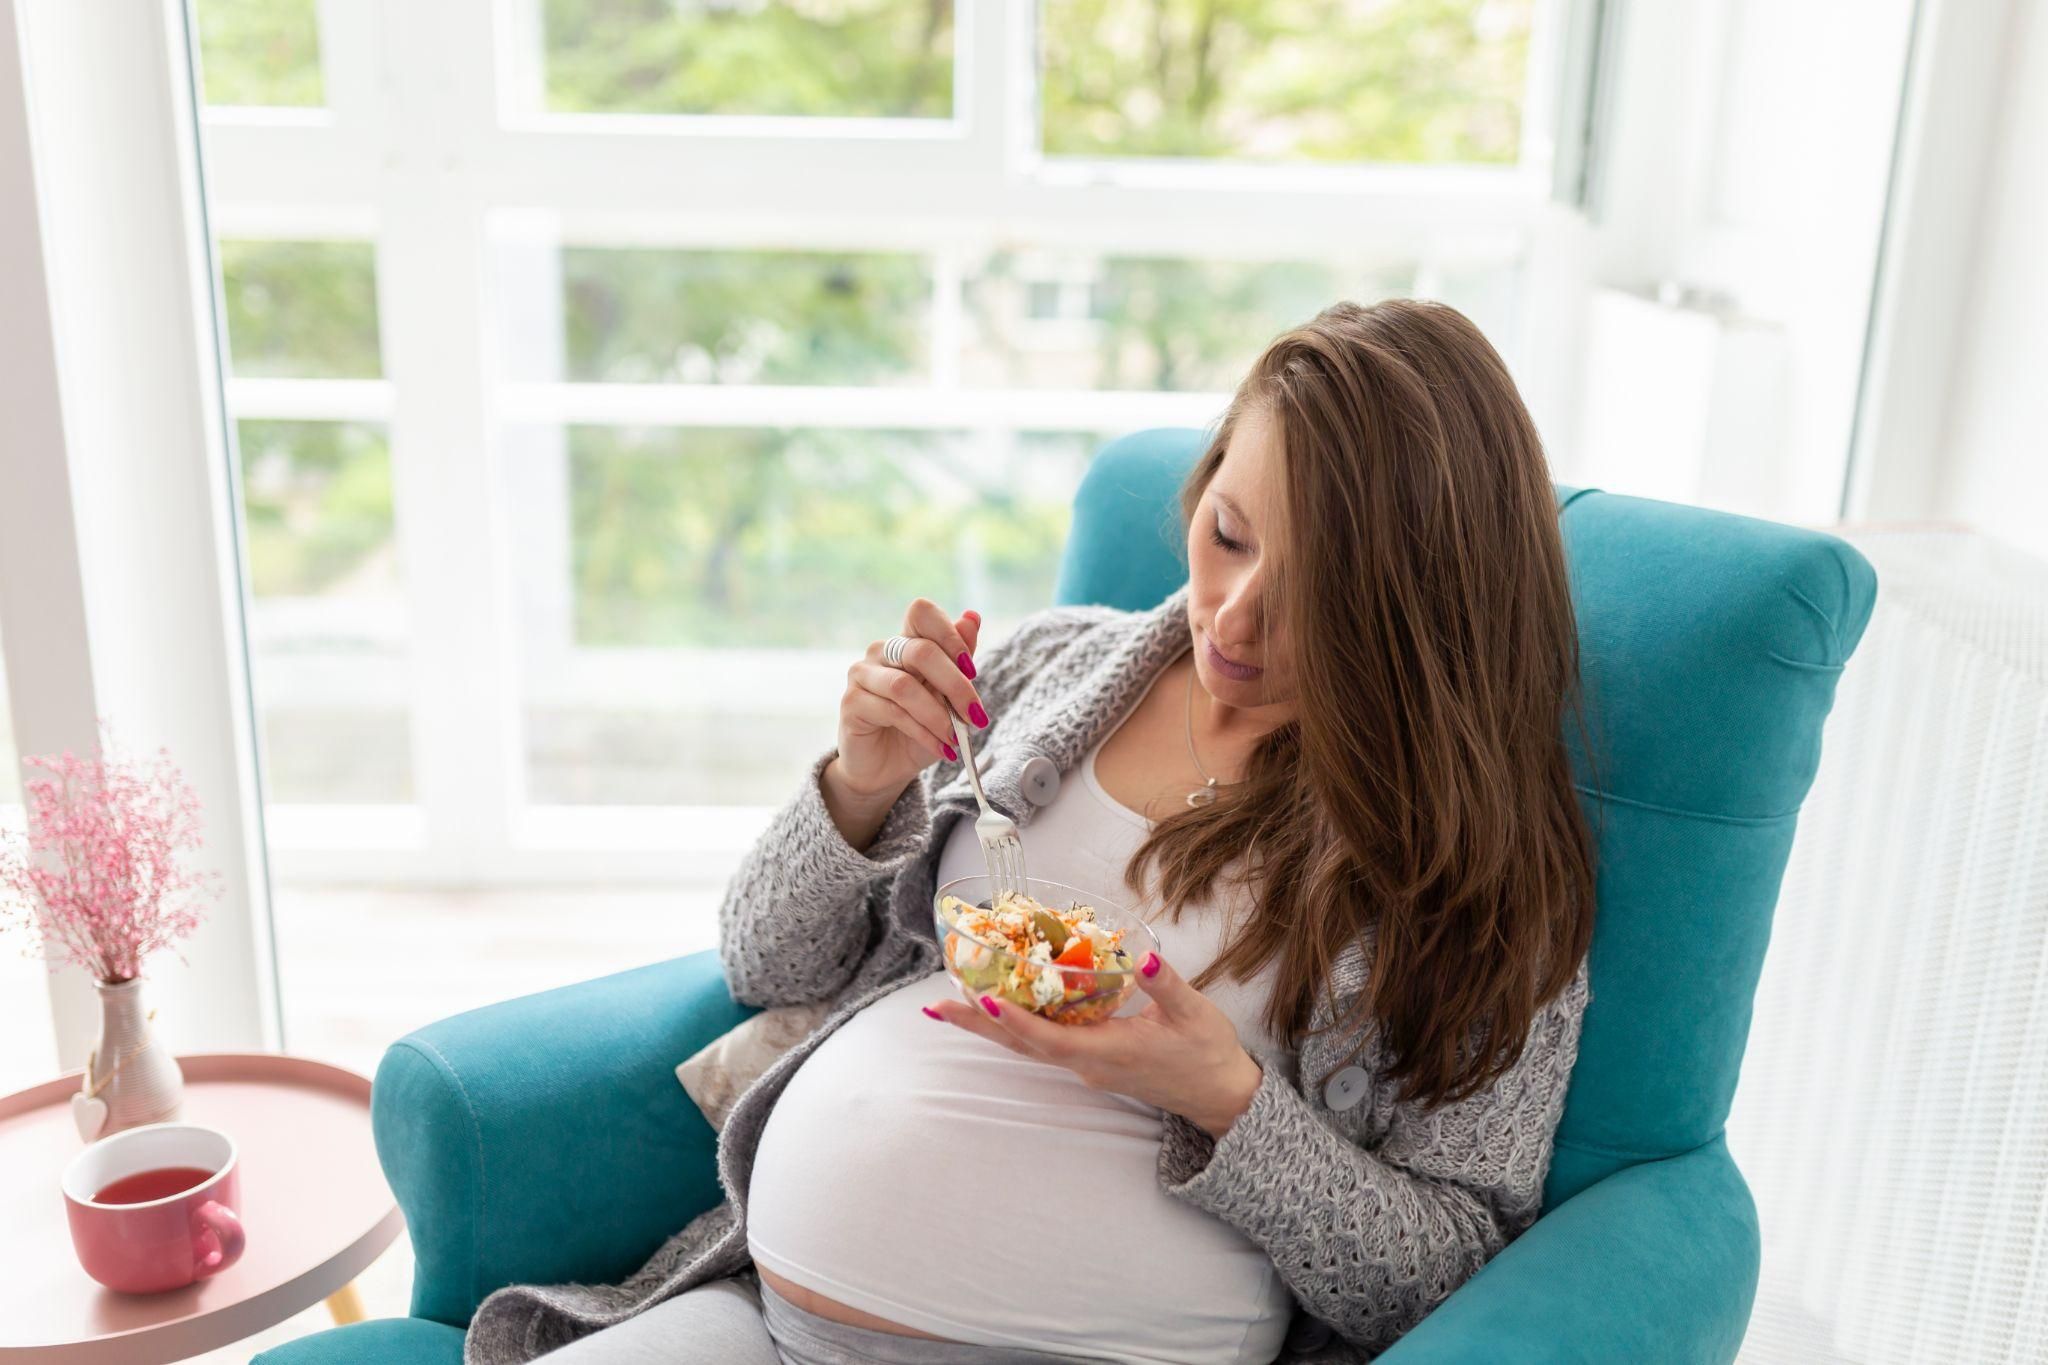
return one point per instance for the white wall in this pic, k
(1993, 468)
(1892, 1119)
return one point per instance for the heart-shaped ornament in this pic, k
(89, 1112)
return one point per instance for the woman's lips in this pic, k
(1228, 667)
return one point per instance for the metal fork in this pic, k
(997, 831)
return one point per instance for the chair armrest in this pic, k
(546, 1139)
(1657, 1262)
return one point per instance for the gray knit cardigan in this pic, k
(1372, 1210)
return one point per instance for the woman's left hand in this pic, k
(1180, 1053)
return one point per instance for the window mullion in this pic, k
(353, 74)
(431, 302)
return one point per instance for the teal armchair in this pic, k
(1710, 647)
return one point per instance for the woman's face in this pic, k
(1230, 546)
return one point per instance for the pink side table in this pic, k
(314, 1202)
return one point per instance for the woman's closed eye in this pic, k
(1224, 541)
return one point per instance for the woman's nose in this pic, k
(1237, 621)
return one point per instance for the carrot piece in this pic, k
(1079, 952)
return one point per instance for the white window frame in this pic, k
(432, 144)
(120, 583)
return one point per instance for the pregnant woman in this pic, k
(1329, 772)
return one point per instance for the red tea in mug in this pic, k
(152, 1208)
(144, 1186)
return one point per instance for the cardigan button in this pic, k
(1306, 1333)
(1040, 781)
(1347, 1088)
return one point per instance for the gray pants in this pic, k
(739, 1322)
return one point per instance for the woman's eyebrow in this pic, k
(1231, 503)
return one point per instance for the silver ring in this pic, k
(892, 650)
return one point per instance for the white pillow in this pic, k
(719, 1072)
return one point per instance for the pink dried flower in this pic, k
(99, 882)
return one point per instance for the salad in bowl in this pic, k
(1056, 951)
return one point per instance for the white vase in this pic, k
(132, 1078)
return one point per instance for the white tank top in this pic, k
(922, 1173)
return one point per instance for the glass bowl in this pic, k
(1063, 994)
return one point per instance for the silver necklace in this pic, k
(1206, 793)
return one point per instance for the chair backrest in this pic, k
(1710, 645)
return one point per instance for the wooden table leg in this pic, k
(345, 1305)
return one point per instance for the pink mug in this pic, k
(153, 1208)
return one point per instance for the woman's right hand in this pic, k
(893, 721)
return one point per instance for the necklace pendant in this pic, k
(1202, 796)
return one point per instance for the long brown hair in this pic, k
(1431, 813)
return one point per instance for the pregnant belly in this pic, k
(833, 1310)
(930, 1180)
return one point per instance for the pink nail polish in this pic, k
(934, 1014)
(977, 715)
(1150, 966)
(966, 664)
(994, 1010)
(951, 756)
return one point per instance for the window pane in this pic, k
(708, 536)
(341, 753)
(318, 500)
(720, 580)
(327, 619)
(848, 58)
(744, 317)
(301, 310)
(1285, 80)
(1146, 323)
(261, 52)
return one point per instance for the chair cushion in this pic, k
(381, 1341)
(1125, 548)
(1710, 648)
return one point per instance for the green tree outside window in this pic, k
(731, 537)
(260, 52)
(1418, 81)
(844, 58)
(301, 310)
(745, 317)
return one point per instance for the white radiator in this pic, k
(1892, 1117)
